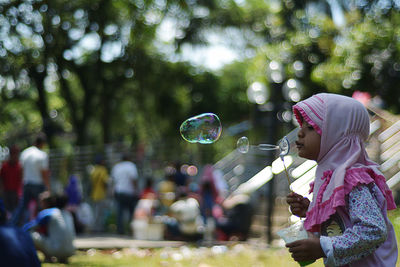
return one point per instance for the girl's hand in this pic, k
(306, 249)
(298, 204)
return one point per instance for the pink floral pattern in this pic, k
(368, 232)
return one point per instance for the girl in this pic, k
(350, 195)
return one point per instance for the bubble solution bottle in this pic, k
(293, 233)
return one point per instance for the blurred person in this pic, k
(126, 193)
(17, 248)
(208, 198)
(166, 189)
(11, 179)
(74, 193)
(99, 179)
(216, 178)
(148, 191)
(53, 230)
(208, 192)
(36, 177)
(194, 190)
(185, 222)
(180, 178)
(220, 184)
(84, 217)
(146, 224)
(235, 225)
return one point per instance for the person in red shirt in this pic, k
(148, 192)
(11, 179)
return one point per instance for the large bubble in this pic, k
(204, 129)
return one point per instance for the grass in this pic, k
(235, 256)
(239, 255)
(394, 216)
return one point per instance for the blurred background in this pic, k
(120, 76)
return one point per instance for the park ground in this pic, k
(96, 251)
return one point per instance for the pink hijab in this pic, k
(343, 163)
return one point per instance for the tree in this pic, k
(95, 53)
(96, 72)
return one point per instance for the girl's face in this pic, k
(309, 142)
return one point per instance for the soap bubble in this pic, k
(287, 145)
(204, 129)
(243, 144)
(284, 147)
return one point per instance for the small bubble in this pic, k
(243, 144)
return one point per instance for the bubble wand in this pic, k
(286, 172)
(285, 146)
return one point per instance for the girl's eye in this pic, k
(308, 127)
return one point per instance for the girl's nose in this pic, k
(300, 133)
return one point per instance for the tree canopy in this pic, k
(97, 72)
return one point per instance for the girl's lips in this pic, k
(299, 145)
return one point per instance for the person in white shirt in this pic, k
(36, 177)
(53, 230)
(186, 222)
(124, 176)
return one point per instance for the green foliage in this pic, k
(103, 95)
(394, 216)
(98, 72)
